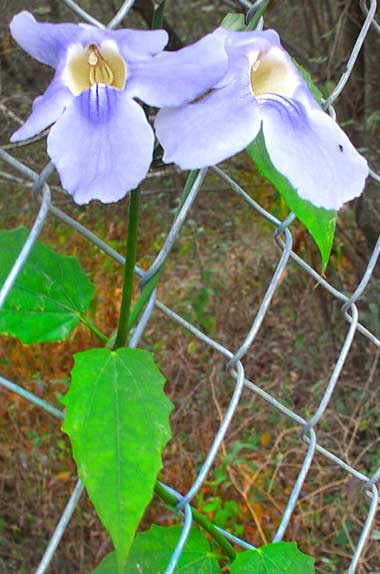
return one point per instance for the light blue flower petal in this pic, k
(46, 110)
(244, 42)
(212, 129)
(136, 44)
(312, 152)
(44, 42)
(174, 78)
(102, 145)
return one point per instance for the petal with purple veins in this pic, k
(46, 110)
(102, 145)
(312, 152)
(44, 42)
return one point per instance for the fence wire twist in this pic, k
(234, 366)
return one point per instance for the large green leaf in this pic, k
(117, 418)
(151, 552)
(318, 221)
(277, 558)
(49, 296)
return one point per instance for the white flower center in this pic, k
(92, 65)
(272, 74)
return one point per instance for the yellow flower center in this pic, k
(270, 74)
(86, 67)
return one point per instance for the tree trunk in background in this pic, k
(368, 208)
(351, 103)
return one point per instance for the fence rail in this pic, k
(233, 359)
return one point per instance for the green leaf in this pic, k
(108, 565)
(276, 558)
(158, 16)
(318, 221)
(234, 22)
(152, 550)
(316, 92)
(50, 294)
(117, 418)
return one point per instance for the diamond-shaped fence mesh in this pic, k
(233, 358)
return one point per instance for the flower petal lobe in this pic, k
(312, 152)
(174, 78)
(140, 43)
(44, 42)
(46, 110)
(102, 145)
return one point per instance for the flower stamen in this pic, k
(99, 72)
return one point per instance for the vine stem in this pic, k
(199, 519)
(150, 286)
(90, 325)
(129, 270)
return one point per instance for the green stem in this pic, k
(158, 16)
(94, 329)
(151, 285)
(255, 19)
(199, 519)
(129, 272)
(137, 309)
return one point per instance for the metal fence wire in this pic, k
(233, 359)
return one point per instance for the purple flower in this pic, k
(101, 142)
(258, 87)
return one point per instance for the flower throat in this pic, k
(90, 65)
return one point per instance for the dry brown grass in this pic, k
(226, 250)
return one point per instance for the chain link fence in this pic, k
(233, 359)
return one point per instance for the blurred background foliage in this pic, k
(216, 277)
